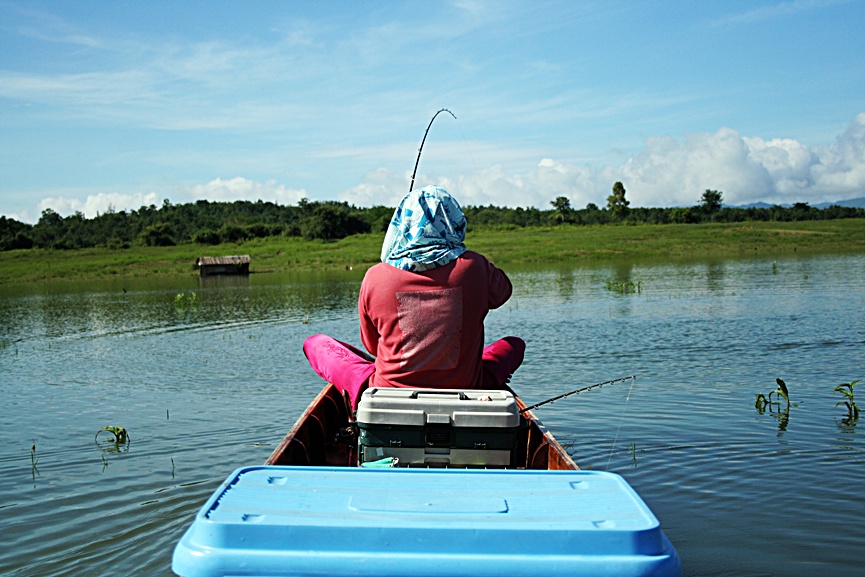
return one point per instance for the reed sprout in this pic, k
(781, 391)
(34, 460)
(762, 402)
(120, 435)
(849, 401)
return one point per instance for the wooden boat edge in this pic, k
(328, 413)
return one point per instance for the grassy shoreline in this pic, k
(505, 247)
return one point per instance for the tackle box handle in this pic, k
(445, 392)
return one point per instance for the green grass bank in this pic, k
(505, 247)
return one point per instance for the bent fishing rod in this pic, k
(578, 391)
(419, 150)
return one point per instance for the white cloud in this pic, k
(667, 172)
(671, 172)
(537, 187)
(787, 162)
(217, 190)
(238, 188)
(675, 172)
(842, 165)
(381, 187)
(101, 203)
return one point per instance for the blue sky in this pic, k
(116, 105)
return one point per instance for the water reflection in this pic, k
(715, 276)
(847, 425)
(565, 280)
(783, 418)
(216, 281)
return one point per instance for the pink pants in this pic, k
(349, 368)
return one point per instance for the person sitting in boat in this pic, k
(422, 309)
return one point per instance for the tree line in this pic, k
(211, 223)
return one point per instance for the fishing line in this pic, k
(472, 156)
(465, 142)
(621, 420)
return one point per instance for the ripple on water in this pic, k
(208, 390)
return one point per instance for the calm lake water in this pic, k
(206, 387)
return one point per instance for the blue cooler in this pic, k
(293, 521)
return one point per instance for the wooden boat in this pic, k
(323, 436)
(312, 510)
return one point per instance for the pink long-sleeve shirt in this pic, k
(426, 329)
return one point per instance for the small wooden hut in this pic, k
(215, 265)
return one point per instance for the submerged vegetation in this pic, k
(186, 301)
(624, 287)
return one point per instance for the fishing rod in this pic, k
(578, 391)
(419, 150)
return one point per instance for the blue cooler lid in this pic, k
(423, 522)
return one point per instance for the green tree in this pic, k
(684, 215)
(377, 218)
(49, 230)
(231, 233)
(563, 206)
(207, 236)
(158, 235)
(710, 202)
(617, 204)
(801, 211)
(330, 221)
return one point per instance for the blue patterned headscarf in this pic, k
(428, 229)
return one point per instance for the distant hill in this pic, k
(852, 203)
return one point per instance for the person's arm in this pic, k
(500, 286)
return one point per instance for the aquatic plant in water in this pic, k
(34, 460)
(121, 437)
(624, 287)
(761, 401)
(184, 301)
(781, 391)
(846, 389)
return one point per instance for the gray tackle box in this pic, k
(438, 427)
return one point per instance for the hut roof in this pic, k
(223, 260)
